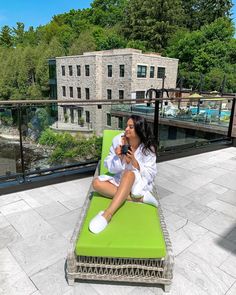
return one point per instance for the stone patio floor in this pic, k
(198, 197)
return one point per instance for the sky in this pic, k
(40, 12)
(36, 12)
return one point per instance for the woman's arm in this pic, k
(113, 162)
(147, 166)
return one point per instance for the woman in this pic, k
(134, 169)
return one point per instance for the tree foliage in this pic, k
(199, 33)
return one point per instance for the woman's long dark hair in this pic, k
(144, 131)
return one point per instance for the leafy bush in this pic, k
(67, 148)
(48, 137)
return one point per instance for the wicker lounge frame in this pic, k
(130, 270)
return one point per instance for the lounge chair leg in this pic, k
(167, 288)
(71, 268)
(71, 282)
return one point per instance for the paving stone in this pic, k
(194, 211)
(13, 280)
(231, 236)
(8, 235)
(113, 289)
(212, 249)
(28, 223)
(38, 252)
(227, 180)
(223, 207)
(174, 202)
(162, 192)
(65, 224)
(9, 198)
(229, 197)
(202, 196)
(74, 202)
(232, 290)
(50, 280)
(52, 210)
(3, 221)
(229, 265)
(173, 186)
(15, 207)
(222, 228)
(204, 276)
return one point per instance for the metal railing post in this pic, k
(19, 110)
(230, 128)
(156, 117)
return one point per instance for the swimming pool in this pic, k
(210, 112)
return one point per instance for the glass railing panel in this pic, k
(59, 136)
(36, 121)
(190, 123)
(63, 135)
(10, 159)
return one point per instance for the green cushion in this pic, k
(133, 232)
(108, 135)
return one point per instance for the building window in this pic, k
(78, 92)
(63, 70)
(142, 71)
(109, 94)
(120, 122)
(108, 119)
(78, 67)
(152, 71)
(121, 94)
(71, 91)
(87, 116)
(161, 72)
(140, 94)
(70, 71)
(72, 118)
(87, 94)
(109, 70)
(64, 90)
(86, 70)
(122, 70)
(79, 115)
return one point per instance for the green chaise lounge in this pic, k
(134, 248)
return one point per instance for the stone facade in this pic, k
(133, 63)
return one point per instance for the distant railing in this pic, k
(42, 137)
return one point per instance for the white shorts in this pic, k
(137, 190)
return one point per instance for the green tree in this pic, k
(18, 33)
(85, 42)
(107, 13)
(152, 21)
(6, 38)
(201, 12)
(108, 39)
(201, 51)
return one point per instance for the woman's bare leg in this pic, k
(121, 194)
(104, 188)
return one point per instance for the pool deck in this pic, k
(198, 197)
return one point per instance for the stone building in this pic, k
(111, 74)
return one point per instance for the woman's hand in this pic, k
(118, 151)
(130, 158)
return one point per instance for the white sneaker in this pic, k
(98, 223)
(150, 199)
